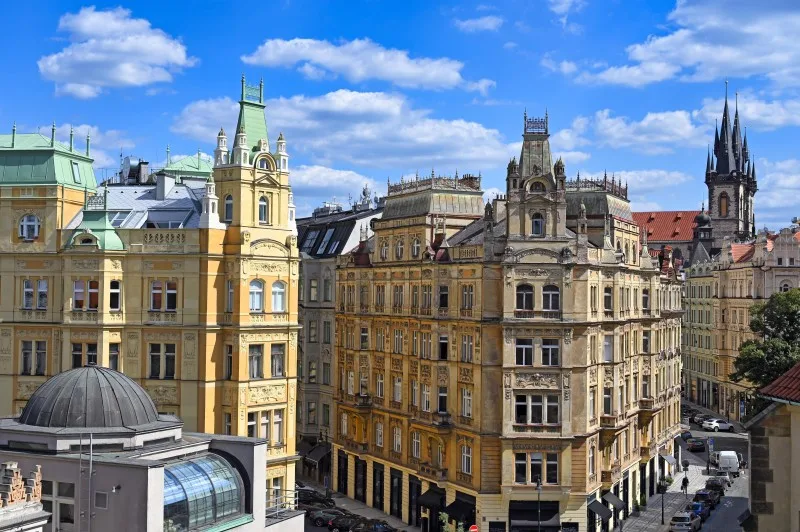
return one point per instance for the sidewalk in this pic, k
(703, 410)
(674, 501)
(358, 507)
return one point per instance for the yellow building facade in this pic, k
(187, 286)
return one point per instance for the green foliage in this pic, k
(777, 322)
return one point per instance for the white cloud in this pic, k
(563, 143)
(360, 129)
(564, 67)
(510, 45)
(490, 193)
(482, 86)
(563, 9)
(640, 181)
(712, 39)
(656, 133)
(643, 205)
(572, 157)
(755, 112)
(487, 23)
(322, 180)
(101, 142)
(108, 48)
(312, 72)
(360, 60)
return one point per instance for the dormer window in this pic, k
(87, 241)
(262, 164)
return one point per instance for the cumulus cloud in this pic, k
(754, 111)
(711, 39)
(564, 142)
(360, 129)
(322, 179)
(109, 48)
(564, 67)
(472, 25)
(102, 142)
(563, 9)
(641, 181)
(360, 60)
(657, 132)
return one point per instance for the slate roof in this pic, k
(343, 223)
(90, 397)
(784, 389)
(667, 226)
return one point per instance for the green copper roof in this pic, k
(96, 223)
(33, 161)
(251, 116)
(189, 166)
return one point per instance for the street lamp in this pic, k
(538, 481)
(662, 488)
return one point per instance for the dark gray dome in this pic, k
(89, 397)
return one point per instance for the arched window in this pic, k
(537, 228)
(256, 296)
(29, 227)
(785, 287)
(262, 164)
(537, 187)
(415, 248)
(524, 297)
(263, 210)
(551, 298)
(398, 249)
(278, 296)
(228, 208)
(384, 250)
(723, 204)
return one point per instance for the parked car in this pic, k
(320, 517)
(711, 498)
(700, 509)
(686, 435)
(344, 523)
(716, 484)
(699, 418)
(373, 525)
(312, 497)
(685, 521)
(725, 476)
(696, 445)
(717, 425)
(312, 506)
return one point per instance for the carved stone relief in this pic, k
(535, 380)
(85, 264)
(163, 395)
(273, 393)
(465, 375)
(566, 382)
(442, 376)
(592, 375)
(26, 388)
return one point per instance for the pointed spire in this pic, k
(708, 161)
(753, 173)
(716, 138)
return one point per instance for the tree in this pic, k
(777, 323)
(444, 519)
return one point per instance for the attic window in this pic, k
(679, 216)
(652, 218)
(88, 241)
(76, 173)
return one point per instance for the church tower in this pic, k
(731, 180)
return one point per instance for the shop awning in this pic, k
(531, 515)
(433, 498)
(303, 447)
(600, 510)
(459, 510)
(318, 453)
(669, 459)
(614, 501)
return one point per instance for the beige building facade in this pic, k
(187, 286)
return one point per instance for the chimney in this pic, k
(144, 173)
(14, 135)
(53, 135)
(164, 184)
(71, 138)
(87, 143)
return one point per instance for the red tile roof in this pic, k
(785, 388)
(666, 226)
(743, 252)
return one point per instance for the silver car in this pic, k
(683, 521)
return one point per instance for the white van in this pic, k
(728, 461)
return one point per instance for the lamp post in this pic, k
(662, 487)
(538, 481)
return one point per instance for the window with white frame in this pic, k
(78, 351)
(524, 297)
(550, 350)
(466, 402)
(379, 385)
(426, 397)
(278, 296)
(312, 331)
(551, 298)
(397, 439)
(397, 389)
(313, 290)
(415, 444)
(536, 409)
(78, 294)
(398, 341)
(379, 435)
(343, 426)
(229, 295)
(228, 208)
(278, 360)
(94, 294)
(256, 295)
(263, 210)
(162, 361)
(255, 359)
(29, 226)
(351, 382)
(384, 250)
(442, 404)
(41, 294)
(115, 295)
(466, 459)
(228, 369)
(535, 468)
(466, 348)
(414, 392)
(467, 296)
(537, 224)
(415, 248)
(524, 351)
(363, 384)
(27, 294)
(592, 460)
(34, 357)
(399, 247)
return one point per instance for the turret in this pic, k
(240, 148)
(292, 217)
(221, 151)
(209, 218)
(283, 156)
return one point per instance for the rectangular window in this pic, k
(113, 356)
(379, 435)
(94, 295)
(91, 354)
(76, 172)
(550, 352)
(327, 289)
(551, 468)
(312, 331)
(536, 409)
(156, 293)
(78, 294)
(443, 296)
(77, 355)
(277, 426)
(229, 296)
(256, 361)
(278, 358)
(227, 422)
(607, 401)
(536, 468)
(169, 361)
(414, 393)
(442, 400)
(172, 296)
(467, 296)
(397, 439)
(27, 294)
(228, 368)
(520, 468)
(592, 402)
(41, 294)
(608, 299)
(524, 351)
(466, 348)
(443, 345)
(326, 415)
(397, 389)
(114, 292)
(155, 361)
(312, 413)
(415, 444)
(466, 402)
(379, 385)
(251, 424)
(326, 373)
(313, 290)
(27, 357)
(398, 341)
(426, 398)
(351, 384)
(608, 348)
(645, 341)
(326, 332)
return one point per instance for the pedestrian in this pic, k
(685, 487)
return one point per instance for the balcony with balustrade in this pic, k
(611, 425)
(611, 474)
(648, 408)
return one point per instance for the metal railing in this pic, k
(279, 505)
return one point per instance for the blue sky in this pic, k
(365, 90)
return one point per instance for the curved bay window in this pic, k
(201, 491)
(537, 224)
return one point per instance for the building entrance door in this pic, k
(396, 493)
(341, 477)
(378, 483)
(361, 480)
(414, 509)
